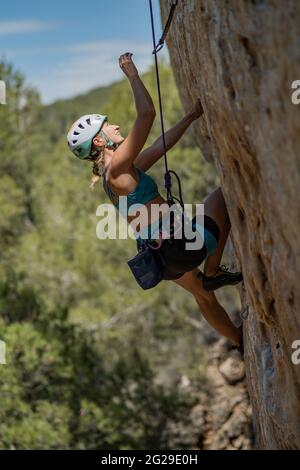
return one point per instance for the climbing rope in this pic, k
(156, 48)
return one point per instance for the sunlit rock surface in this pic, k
(241, 58)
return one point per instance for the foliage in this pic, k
(59, 391)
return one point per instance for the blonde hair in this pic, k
(98, 168)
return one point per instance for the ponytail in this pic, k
(98, 169)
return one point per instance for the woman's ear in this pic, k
(98, 142)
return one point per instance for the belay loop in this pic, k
(168, 183)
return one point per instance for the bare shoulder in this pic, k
(124, 182)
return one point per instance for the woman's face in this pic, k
(113, 132)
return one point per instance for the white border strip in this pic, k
(2, 92)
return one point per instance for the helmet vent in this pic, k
(74, 141)
(88, 121)
(81, 126)
(76, 133)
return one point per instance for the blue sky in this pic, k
(68, 47)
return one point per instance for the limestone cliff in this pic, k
(240, 58)
(220, 418)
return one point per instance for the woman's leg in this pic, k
(215, 207)
(212, 311)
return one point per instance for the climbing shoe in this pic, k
(221, 278)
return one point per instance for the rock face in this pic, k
(228, 413)
(221, 417)
(241, 58)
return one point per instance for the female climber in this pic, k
(123, 165)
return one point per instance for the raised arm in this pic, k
(152, 154)
(127, 152)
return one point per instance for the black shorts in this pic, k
(179, 260)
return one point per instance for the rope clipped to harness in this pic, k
(168, 182)
(147, 266)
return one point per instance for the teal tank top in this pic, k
(145, 191)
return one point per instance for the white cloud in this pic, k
(24, 26)
(90, 65)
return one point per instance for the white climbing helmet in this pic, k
(80, 136)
